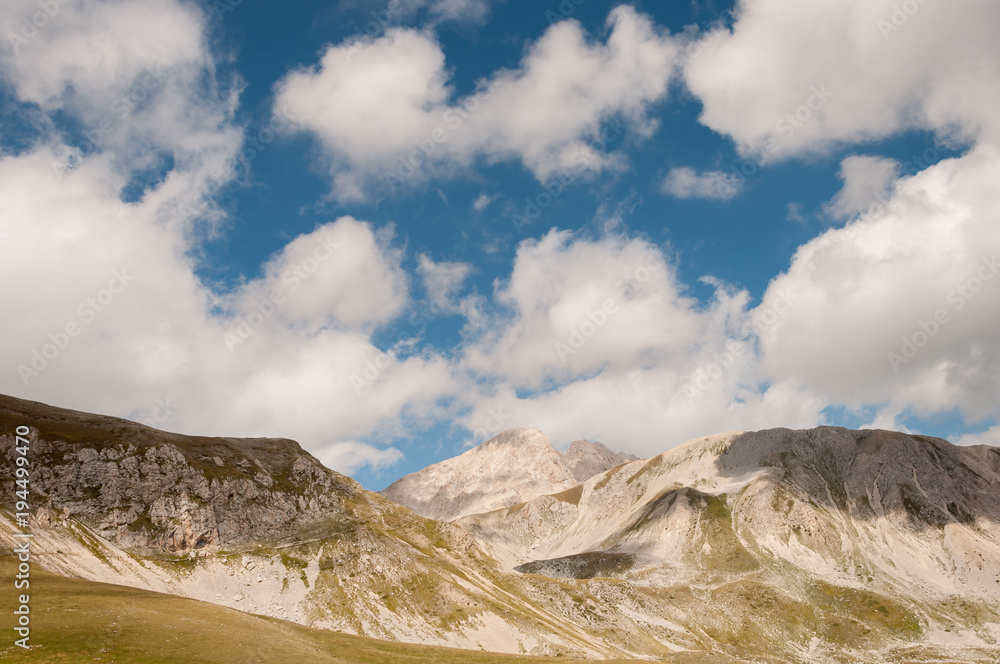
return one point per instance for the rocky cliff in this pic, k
(150, 491)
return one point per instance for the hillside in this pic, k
(75, 619)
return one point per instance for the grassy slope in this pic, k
(76, 621)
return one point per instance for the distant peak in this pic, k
(518, 438)
(585, 445)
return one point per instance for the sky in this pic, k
(391, 229)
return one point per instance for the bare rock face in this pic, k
(915, 516)
(586, 459)
(150, 491)
(514, 467)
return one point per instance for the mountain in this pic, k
(853, 537)
(261, 526)
(515, 466)
(778, 546)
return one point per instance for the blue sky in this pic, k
(783, 200)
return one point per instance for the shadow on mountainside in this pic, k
(874, 473)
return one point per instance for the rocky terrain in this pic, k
(511, 468)
(779, 546)
(262, 526)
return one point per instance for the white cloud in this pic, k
(587, 336)
(561, 288)
(989, 437)
(137, 76)
(482, 201)
(794, 213)
(792, 79)
(442, 281)
(885, 307)
(379, 14)
(352, 455)
(386, 115)
(645, 373)
(302, 365)
(343, 273)
(684, 182)
(832, 63)
(866, 179)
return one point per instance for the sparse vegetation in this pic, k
(571, 496)
(75, 621)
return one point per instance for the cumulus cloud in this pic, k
(585, 336)
(344, 274)
(898, 306)
(563, 290)
(793, 78)
(386, 114)
(885, 312)
(684, 182)
(286, 355)
(866, 179)
(136, 75)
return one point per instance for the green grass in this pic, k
(76, 621)
(571, 496)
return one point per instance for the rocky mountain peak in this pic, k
(586, 459)
(518, 438)
(510, 468)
